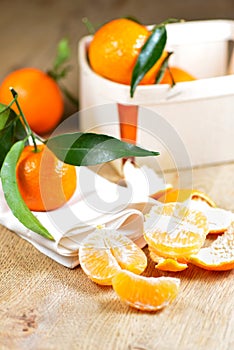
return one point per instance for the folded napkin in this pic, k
(95, 202)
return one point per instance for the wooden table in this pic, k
(45, 306)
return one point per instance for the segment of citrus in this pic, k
(45, 182)
(219, 255)
(174, 231)
(145, 293)
(179, 75)
(114, 50)
(181, 195)
(105, 252)
(167, 264)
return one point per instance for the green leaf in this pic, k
(63, 54)
(5, 113)
(91, 149)
(11, 130)
(13, 196)
(150, 53)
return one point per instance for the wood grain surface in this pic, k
(44, 306)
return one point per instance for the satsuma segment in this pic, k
(174, 231)
(105, 252)
(179, 75)
(39, 96)
(114, 49)
(167, 264)
(181, 195)
(145, 293)
(45, 182)
(219, 255)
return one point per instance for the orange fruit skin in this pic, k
(183, 194)
(114, 49)
(219, 256)
(39, 96)
(45, 183)
(179, 75)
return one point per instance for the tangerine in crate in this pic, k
(115, 48)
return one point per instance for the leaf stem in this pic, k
(69, 96)
(173, 83)
(88, 25)
(28, 129)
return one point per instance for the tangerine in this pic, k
(45, 182)
(174, 231)
(179, 75)
(114, 50)
(39, 96)
(105, 252)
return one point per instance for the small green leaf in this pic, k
(63, 53)
(11, 130)
(12, 194)
(5, 112)
(149, 55)
(91, 149)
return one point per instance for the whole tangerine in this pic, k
(39, 96)
(114, 50)
(45, 183)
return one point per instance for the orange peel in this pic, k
(219, 256)
(184, 194)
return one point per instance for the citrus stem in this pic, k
(173, 83)
(28, 129)
(88, 25)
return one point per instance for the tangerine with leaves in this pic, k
(115, 48)
(45, 183)
(39, 96)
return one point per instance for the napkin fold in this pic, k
(96, 202)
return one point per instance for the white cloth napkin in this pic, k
(96, 201)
